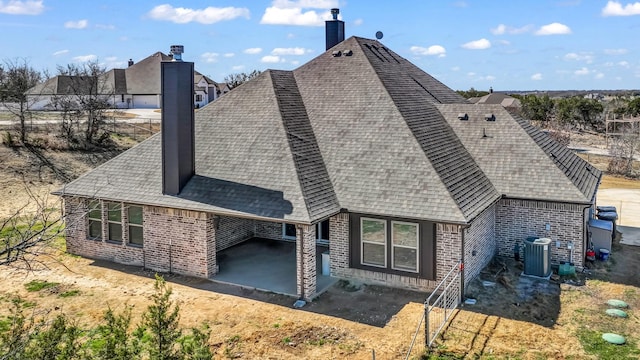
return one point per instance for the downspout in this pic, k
(463, 229)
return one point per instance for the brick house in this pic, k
(357, 148)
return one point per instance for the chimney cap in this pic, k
(334, 13)
(176, 51)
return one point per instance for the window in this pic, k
(404, 242)
(95, 220)
(134, 214)
(289, 231)
(114, 221)
(322, 231)
(198, 97)
(374, 242)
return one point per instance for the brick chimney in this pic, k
(178, 137)
(334, 29)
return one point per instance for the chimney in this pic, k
(334, 29)
(178, 151)
(130, 62)
(490, 90)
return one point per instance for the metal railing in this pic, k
(442, 302)
(438, 311)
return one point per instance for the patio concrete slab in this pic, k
(267, 265)
(630, 235)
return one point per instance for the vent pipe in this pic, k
(334, 29)
(130, 62)
(178, 137)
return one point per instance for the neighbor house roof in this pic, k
(497, 98)
(362, 130)
(144, 77)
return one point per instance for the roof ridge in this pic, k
(317, 189)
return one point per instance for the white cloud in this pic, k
(471, 73)
(624, 64)
(554, 29)
(237, 67)
(60, 52)
(582, 71)
(599, 76)
(288, 12)
(85, 58)
(455, 68)
(111, 58)
(105, 26)
(289, 51)
(477, 44)
(504, 42)
(536, 77)
(295, 62)
(229, 55)
(291, 36)
(271, 59)
(433, 50)
(505, 29)
(488, 78)
(80, 24)
(252, 51)
(586, 57)
(210, 57)
(615, 51)
(17, 7)
(207, 15)
(615, 8)
(358, 22)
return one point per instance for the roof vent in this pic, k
(336, 53)
(348, 53)
(463, 116)
(489, 117)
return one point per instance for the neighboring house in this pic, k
(205, 90)
(136, 87)
(358, 148)
(505, 100)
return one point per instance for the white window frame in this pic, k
(362, 242)
(130, 224)
(91, 219)
(284, 232)
(109, 222)
(417, 247)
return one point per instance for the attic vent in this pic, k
(336, 53)
(463, 116)
(348, 53)
(489, 117)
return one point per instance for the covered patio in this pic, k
(267, 265)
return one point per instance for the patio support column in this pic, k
(306, 261)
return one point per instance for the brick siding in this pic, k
(480, 244)
(518, 219)
(306, 261)
(231, 231)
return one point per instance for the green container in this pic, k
(566, 269)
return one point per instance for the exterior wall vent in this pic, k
(490, 117)
(463, 116)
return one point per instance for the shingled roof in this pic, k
(357, 128)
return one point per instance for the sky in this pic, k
(504, 44)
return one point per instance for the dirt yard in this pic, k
(511, 319)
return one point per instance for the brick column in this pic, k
(339, 244)
(306, 261)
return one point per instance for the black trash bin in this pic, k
(606, 208)
(609, 216)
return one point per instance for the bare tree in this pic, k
(88, 93)
(16, 78)
(623, 151)
(237, 79)
(28, 231)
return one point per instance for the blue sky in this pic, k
(509, 45)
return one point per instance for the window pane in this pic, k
(373, 231)
(95, 212)
(373, 254)
(405, 234)
(135, 235)
(325, 229)
(115, 232)
(289, 230)
(95, 229)
(404, 259)
(135, 215)
(114, 212)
